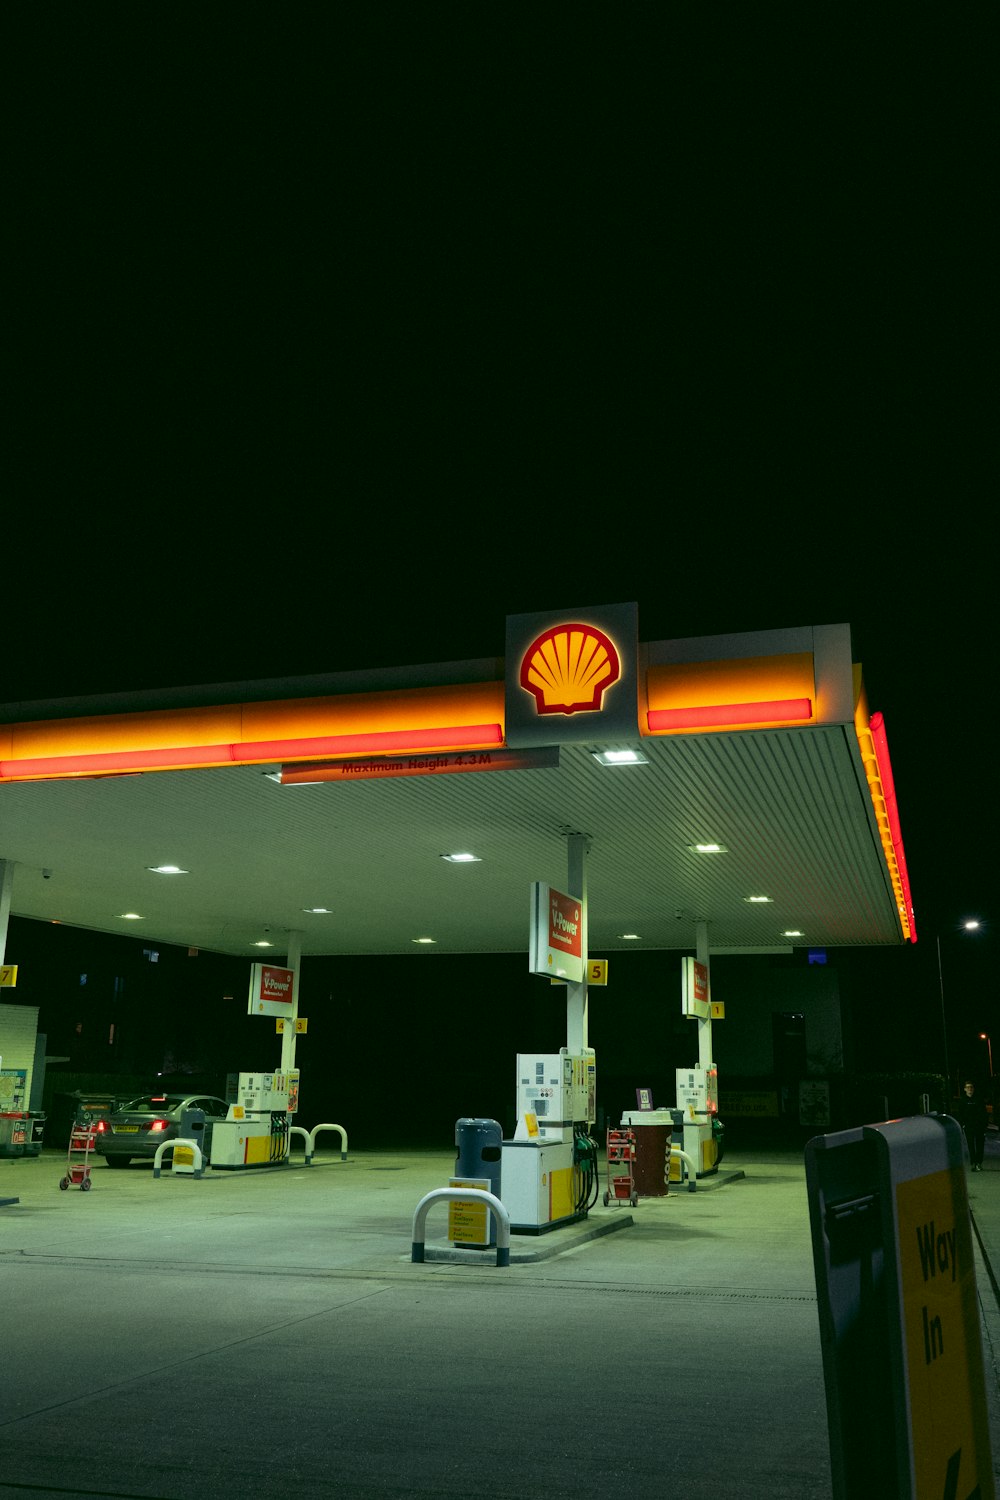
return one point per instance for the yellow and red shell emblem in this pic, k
(569, 668)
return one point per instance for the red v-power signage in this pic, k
(570, 675)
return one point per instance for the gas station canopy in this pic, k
(736, 780)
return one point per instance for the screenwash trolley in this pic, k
(81, 1146)
(621, 1173)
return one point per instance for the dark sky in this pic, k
(336, 342)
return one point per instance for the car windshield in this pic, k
(151, 1104)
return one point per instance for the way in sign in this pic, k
(938, 1252)
(951, 1480)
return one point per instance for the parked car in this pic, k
(138, 1127)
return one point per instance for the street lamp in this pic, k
(970, 924)
(984, 1036)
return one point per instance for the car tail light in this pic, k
(159, 1124)
(101, 1127)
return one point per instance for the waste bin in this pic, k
(478, 1155)
(13, 1132)
(653, 1129)
(35, 1133)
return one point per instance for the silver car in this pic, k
(138, 1127)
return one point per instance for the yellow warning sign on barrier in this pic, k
(467, 1220)
(8, 975)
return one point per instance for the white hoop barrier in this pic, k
(461, 1195)
(303, 1132)
(311, 1140)
(691, 1168)
(169, 1146)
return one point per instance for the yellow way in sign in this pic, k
(948, 1418)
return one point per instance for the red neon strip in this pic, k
(877, 726)
(116, 760)
(384, 741)
(779, 709)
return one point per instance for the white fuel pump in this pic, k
(548, 1169)
(698, 1105)
(255, 1132)
(559, 1089)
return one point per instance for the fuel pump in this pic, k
(698, 1108)
(255, 1131)
(549, 1170)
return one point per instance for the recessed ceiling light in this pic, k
(708, 849)
(424, 940)
(318, 911)
(633, 937)
(758, 900)
(619, 758)
(462, 859)
(793, 932)
(131, 916)
(167, 870)
(263, 943)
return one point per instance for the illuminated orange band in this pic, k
(176, 757)
(782, 710)
(746, 693)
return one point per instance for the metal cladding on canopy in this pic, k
(338, 796)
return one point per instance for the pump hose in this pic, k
(595, 1172)
(585, 1153)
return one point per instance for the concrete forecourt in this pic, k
(260, 1333)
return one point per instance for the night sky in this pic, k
(333, 350)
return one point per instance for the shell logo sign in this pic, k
(570, 676)
(569, 668)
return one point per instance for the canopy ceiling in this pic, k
(791, 805)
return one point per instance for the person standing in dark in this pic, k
(973, 1119)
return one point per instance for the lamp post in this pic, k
(984, 1036)
(971, 924)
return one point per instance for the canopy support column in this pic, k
(576, 993)
(293, 961)
(6, 887)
